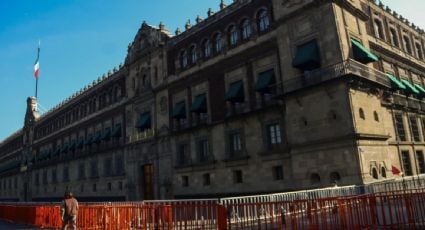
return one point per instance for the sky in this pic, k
(83, 39)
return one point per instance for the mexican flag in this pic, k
(37, 63)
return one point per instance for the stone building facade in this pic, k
(262, 96)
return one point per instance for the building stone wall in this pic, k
(335, 119)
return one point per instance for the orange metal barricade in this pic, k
(388, 210)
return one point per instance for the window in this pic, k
(120, 187)
(185, 181)
(334, 177)
(421, 161)
(414, 128)
(94, 188)
(109, 186)
(379, 31)
(206, 179)
(44, 177)
(375, 116)
(406, 163)
(419, 50)
(398, 119)
(361, 114)
(315, 179)
(203, 150)
(54, 176)
(183, 154)
(81, 171)
(82, 188)
(394, 37)
(263, 21)
(233, 35)
(274, 134)
(235, 143)
(37, 179)
(237, 176)
(218, 43)
(65, 175)
(119, 165)
(375, 174)
(107, 170)
(183, 59)
(383, 172)
(206, 46)
(93, 169)
(193, 54)
(246, 29)
(406, 43)
(278, 172)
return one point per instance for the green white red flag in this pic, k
(37, 63)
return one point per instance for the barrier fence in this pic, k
(394, 204)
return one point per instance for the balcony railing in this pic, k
(140, 136)
(339, 70)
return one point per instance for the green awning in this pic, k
(265, 79)
(97, 138)
(199, 105)
(117, 131)
(144, 121)
(420, 88)
(362, 54)
(235, 92)
(179, 111)
(65, 148)
(410, 87)
(395, 83)
(57, 151)
(89, 140)
(307, 56)
(106, 135)
(80, 143)
(73, 145)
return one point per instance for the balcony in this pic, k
(344, 69)
(141, 136)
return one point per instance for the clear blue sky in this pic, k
(82, 39)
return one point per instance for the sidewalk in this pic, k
(6, 225)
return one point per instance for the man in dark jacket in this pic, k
(69, 211)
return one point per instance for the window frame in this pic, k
(263, 20)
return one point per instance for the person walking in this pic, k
(69, 211)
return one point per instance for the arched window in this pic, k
(419, 50)
(407, 46)
(218, 42)
(233, 35)
(193, 54)
(314, 179)
(375, 116)
(383, 172)
(183, 59)
(334, 177)
(246, 29)
(332, 115)
(206, 47)
(361, 114)
(374, 173)
(393, 37)
(263, 20)
(379, 31)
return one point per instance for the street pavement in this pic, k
(6, 226)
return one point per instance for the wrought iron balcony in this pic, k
(140, 136)
(347, 68)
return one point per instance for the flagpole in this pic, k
(36, 86)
